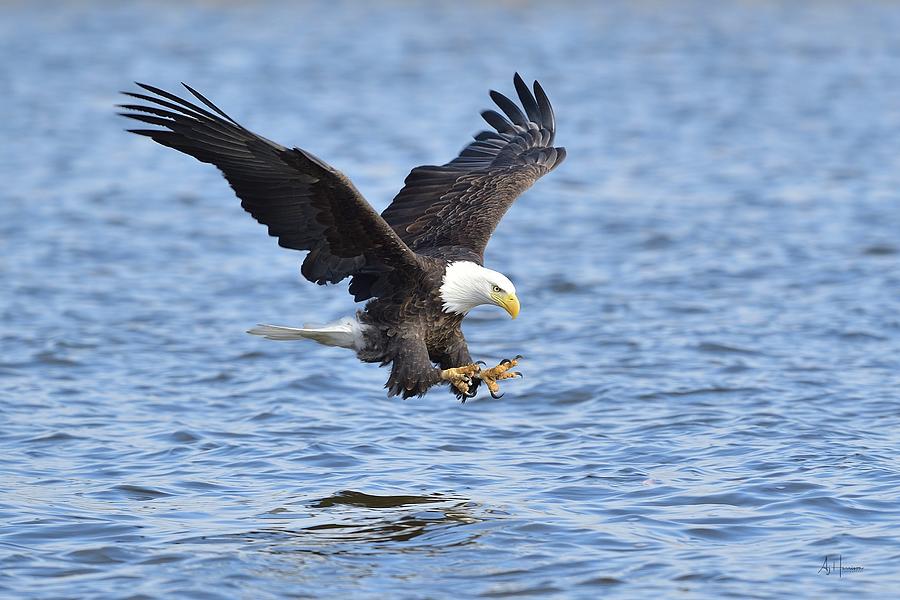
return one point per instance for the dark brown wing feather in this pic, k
(306, 204)
(452, 210)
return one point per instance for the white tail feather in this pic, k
(345, 333)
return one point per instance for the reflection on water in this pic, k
(359, 499)
(709, 288)
(364, 521)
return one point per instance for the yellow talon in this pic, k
(460, 378)
(490, 377)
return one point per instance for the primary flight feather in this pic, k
(419, 264)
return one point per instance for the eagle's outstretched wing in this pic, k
(452, 210)
(306, 204)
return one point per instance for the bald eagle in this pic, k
(420, 264)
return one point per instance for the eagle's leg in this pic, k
(461, 378)
(491, 376)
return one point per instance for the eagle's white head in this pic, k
(467, 285)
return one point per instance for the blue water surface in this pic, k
(710, 288)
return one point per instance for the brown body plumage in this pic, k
(412, 331)
(399, 260)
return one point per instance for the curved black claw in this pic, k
(518, 374)
(480, 362)
(496, 396)
(473, 383)
(463, 397)
(519, 357)
(505, 361)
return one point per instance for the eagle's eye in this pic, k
(495, 288)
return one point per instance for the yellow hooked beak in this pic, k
(509, 302)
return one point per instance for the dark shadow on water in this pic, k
(404, 529)
(351, 498)
(366, 519)
(351, 522)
